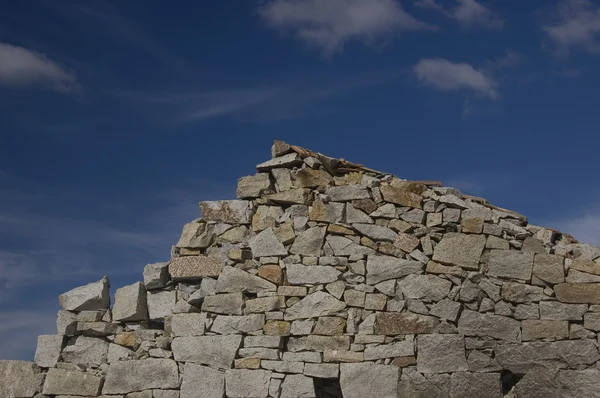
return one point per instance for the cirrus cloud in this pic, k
(577, 25)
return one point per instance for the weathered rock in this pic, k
(64, 382)
(300, 196)
(86, 351)
(359, 380)
(130, 303)
(288, 161)
(460, 250)
(586, 265)
(254, 186)
(480, 362)
(266, 244)
(510, 264)
(473, 323)
(227, 211)
(297, 386)
(330, 213)
(231, 303)
(156, 275)
(298, 274)
(521, 358)
(401, 348)
(549, 268)
(464, 384)
(93, 296)
(48, 350)
(198, 235)
(586, 293)
(188, 324)
(534, 329)
(20, 379)
(238, 324)
(309, 242)
(161, 303)
(195, 267)
(382, 268)
(330, 326)
(376, 232)
(347, 193)
(414, 384)
(314, 305)
(562, 312)
(129, 376)
(354, 215)
(235, 280)
(202, 379)
(403, 323)
(342, 246)
(401, 196)
(244, 383)
(427, 287)
(446, 309)
(322, 370)
(215, 351)
(311, 178)
(277, 328)
(441, 353)
(319, 343)
(522, 293)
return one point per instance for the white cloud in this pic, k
(445, 75)
(584, 227)
(330, 24)
(20, 67)
(467, 13)
(577, 25)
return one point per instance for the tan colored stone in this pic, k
(339, 230)
(585, 293)
(309, 178)
(300, 196)
(402, 323)
(533, 329)
(368, 243)
(472, 225)
(403, 362)
(407, 242)
(271, 272)
(285, 233)
(247, 363)
(585, 265)
(549, 268)
(401, 196)
(277, 328)
(193, 268)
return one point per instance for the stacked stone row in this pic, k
(321, 272)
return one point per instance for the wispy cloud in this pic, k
(19, 331)
(467, 13)
(576, 25)
(21, 67)
(330, 24)
(444, 75)
(583, 226)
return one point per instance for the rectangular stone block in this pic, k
(195, 267)
(216, 351)
(227, 211)
(123, 377)
(65, 382)
(585, 293)
(403, 323)
(544, 329)
(20, 379)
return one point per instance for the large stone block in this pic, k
(230, 324)
(460, 249)
(314, 305)
(188, 324)
(426, 287)
(549, 268)
(561, 311)
(235, 280)
(403, 323)
(319, 343)
(65, 382)
(160, 303)
(360, 380)
(343, 246)
(534, 329)
(20, 379)
(266, 244)
(441, 353)
(128, 376)
(86, 351)
(467, 385)
(309, 242)
(473, 323)
(48, 350)
(156, 275)
(216, 351)
(383, 268)
(400, 196)
(510, 264)
(585, 293)
(298, 274)
(227, 211)
(195, 267)
(130, 304)
(254, 186)
(243, 383)
(202, 380)
(297, 386)
(93, 296)
(229, 304)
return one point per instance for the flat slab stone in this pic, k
(245, 383)
(195, 267)
(319, 343)
(93, 296)
(298, 274)
(549, 268)
(464, 384)
(254, 186)
(510, 264)
(20, 379)
(403, 323)
(123, 377)
(426, 287)
(216, 351)
(297, 386)
(231, 324)
(188, 324)
(235, 280)
(346, 193)
(585, 293)
(288, 161)
(473, 323)
(342, 246)
(441, 353)
(382, 268)
(403, 348)
(401, 196)
(309, 242)
(376, 232)
(196, 378)
(65, 382)
(561, 311)
(360, 380)
(161, 303)
(535, 329)
(227, 211)
(314, 305)
(86, 351)
(228, 304)
(266, 244)
(460, 249)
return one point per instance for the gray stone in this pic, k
(354, 215)
(314, 305)
(403, 323)
(534, 329)
(562, 312)
(118, 353)
(330, 213)
(441, 353)
(198, 235)
(343, 246)
(521, 358)
(282, 366)
(415, 216)
(527, 311)
(161, 304)
(318, 343)
(591, 321)
(229, 304)
(216, 351)
(403, 348)
(359, 380)
(66, 323)
(230, 324)
(65, 382)
(427, 287)
(128, 376)
(130, 304)
(346, 193)
(575, 276)
(297, 386)
(298, 274)
(312, 178)
(93, 296)
(20, 379)
(265, 217)
(266, 244)
(376, 232)
(510, 264)
(382, 268)
(48, 350)
(188, 324)
(195, 267)
(243, 383)
(473, 323)
(586, 265)
(549, 268)
(580, 383)
(202, 380)
(309, 242)
(492, 290)
(228, 211)
(264, 304)
(446, 309)
(288, 161)
(299, 196)
(156, 275)
(262, 341)
(86, 351)
(522, 293)
(480, 362)
(467, 385)
(235, 280)
(460, 249)
(415, 385)
(254, 186)
(322, 370)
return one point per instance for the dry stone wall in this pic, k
(329, 279)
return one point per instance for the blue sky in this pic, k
(116, 118)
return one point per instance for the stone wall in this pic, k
(326, 278)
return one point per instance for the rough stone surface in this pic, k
(311, 274)
(473, 323)
(310, 242)
(130, 303)
(463, 385)
(20, 379)
(266, 244)
(210, 382)
(578, 293)
(93, 296)
(227, 211)
(382, 268)
(129, 376)
(510, 264)
(242, 383)
(403, 323)
(195, 267)
(439, 353)
(427, 287)
(48, 350)
(297, 386)
(156, 275)
(369, 380)
(314, 305)
(65, 382)
(460, 250)
(235, 280)
(216, 351)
